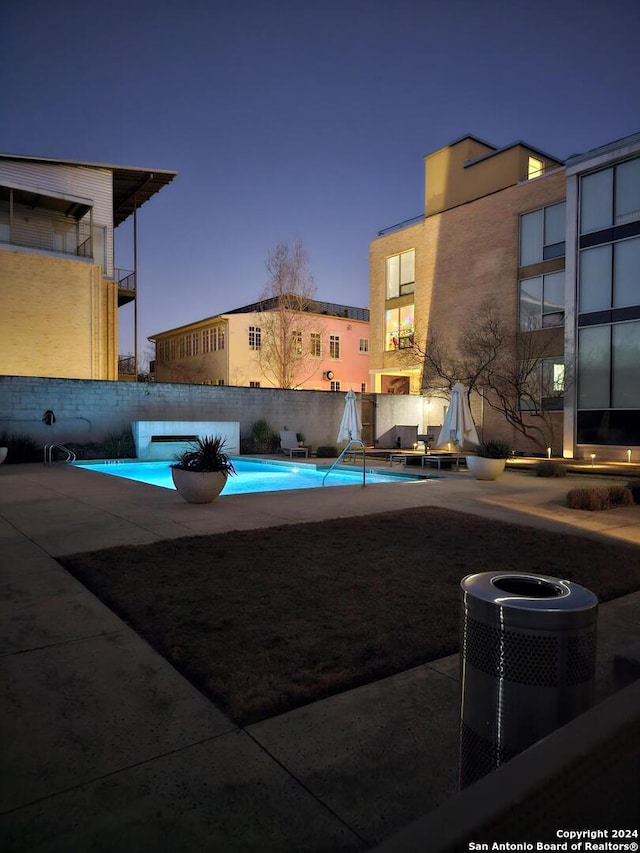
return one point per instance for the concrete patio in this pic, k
(107, 748)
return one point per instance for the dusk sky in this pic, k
(300, 119)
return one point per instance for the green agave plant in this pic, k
(205, 455)
(494, 450)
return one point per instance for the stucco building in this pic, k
(59, 287)
(330, 348)
(504, 225)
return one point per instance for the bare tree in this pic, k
(286, 321)
(508, 368)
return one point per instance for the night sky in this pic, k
(299, 119)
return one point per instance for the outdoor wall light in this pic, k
(593, 456)
(629, 456)
(328, 374)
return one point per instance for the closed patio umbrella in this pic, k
(350, 424)
(458, 427)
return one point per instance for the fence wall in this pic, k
(87, 410)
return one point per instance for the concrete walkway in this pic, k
(107, 748)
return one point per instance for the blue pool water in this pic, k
(252, 476)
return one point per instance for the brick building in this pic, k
(59, 289)
(497, 227)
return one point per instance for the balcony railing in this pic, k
(126, 279)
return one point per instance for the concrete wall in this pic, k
(87, 410)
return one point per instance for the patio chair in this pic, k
(289, 444)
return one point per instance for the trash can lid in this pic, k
(528, 591)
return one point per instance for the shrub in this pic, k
(547, 468)
(620, 496)
(599, 498)
(119, 445)
(20, 448)
(494, 450)
(634, 488)
(263, 438)
(326, 452)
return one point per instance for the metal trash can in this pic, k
(527, 663)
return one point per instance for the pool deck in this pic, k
(107, 748)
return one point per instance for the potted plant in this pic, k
(200, 473)
(490, 460)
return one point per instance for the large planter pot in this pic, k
(483, 468)
(198, 487)
(3, 454)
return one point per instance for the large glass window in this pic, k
(542, 234)
(594, 359)
(626, 273)
(334, 346)
(625, 392)
(596, 201)
(610, 276)
(399, 328)
(541, 301)
(401, 274)
(595, 278)
(627, 192)
(610, 197)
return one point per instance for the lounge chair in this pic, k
(289, 444)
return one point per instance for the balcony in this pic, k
(126, 286)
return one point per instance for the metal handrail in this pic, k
(48, 454)
(349, 445)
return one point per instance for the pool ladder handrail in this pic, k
(349, 447)
(48, 454)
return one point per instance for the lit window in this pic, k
(335, 385)
(364, 344)
(297, 343)
(401, 274)
(334, 346)
(399, 328)
(535, 168)
(255, 337)
(541, 301)
(542, 234)
(315, 345)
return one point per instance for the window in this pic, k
(610, 276)
(335, 385)
(220, 381)
(315, 345)
(542, 234)
(219, 334)
(297, 343)
(399, 328)
(254, 384)
(541, 301)
(543, 386)
(195, 343)
(364, 345)
(206, 340)
(334, 346)
(610, 197)
(255, 337)
(609, 366)
(535, 168)
(363, 388)
(401, 274)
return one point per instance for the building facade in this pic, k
(326, 349)
(507, 227)
(59, 288)
(602, 332)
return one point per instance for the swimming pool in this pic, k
(252, 475)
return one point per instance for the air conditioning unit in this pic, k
(328, 375)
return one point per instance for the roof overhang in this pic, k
(132, 185)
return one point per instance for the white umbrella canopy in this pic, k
(458, 427)
(350, 425)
